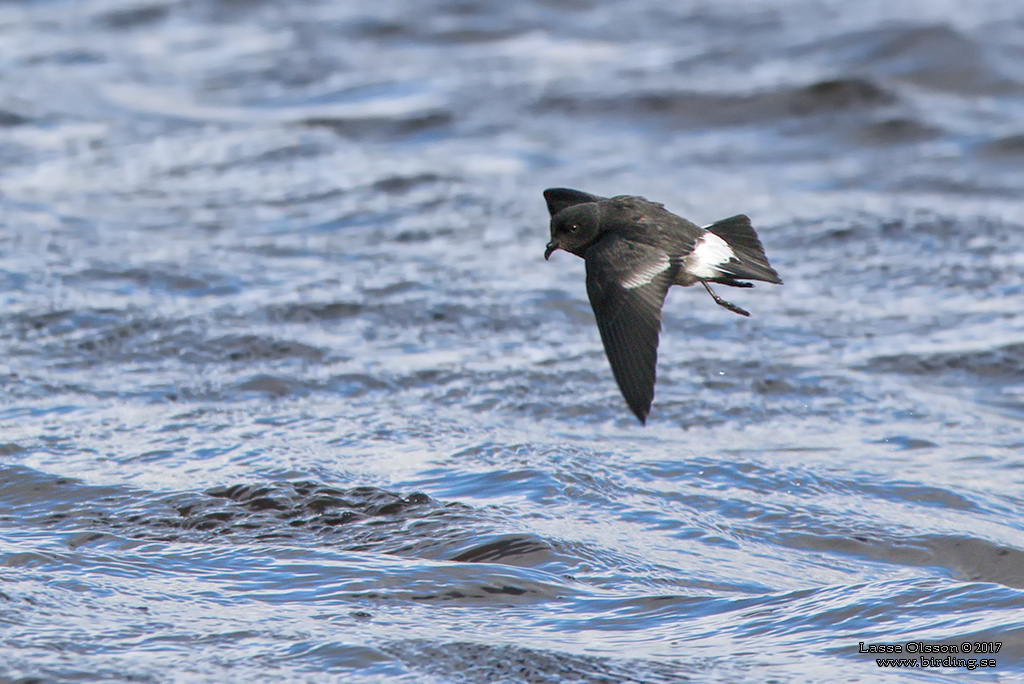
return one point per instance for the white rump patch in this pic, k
(647, 272)
(709, 253)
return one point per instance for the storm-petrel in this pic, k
(635, 250)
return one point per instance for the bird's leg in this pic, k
(721, 302)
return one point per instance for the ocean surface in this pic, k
(289, 394)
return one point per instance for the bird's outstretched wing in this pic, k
(627, 282)
(560, 198)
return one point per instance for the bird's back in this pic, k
(638, 219)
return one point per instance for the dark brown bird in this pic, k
(635, 251)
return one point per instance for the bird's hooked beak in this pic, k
(552, 246)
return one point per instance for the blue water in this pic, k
(289, 393)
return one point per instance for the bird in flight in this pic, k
(635, 250)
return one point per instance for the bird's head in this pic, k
(574, 229)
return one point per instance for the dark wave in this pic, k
(935, 56)
(999, 364)
(483, 662)
(696, 108)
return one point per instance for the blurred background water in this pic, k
(288, 392)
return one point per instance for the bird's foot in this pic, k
(721, 302)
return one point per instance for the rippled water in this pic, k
(290, 394)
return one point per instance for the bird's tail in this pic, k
(749, 260)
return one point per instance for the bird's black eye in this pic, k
(573, 228)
